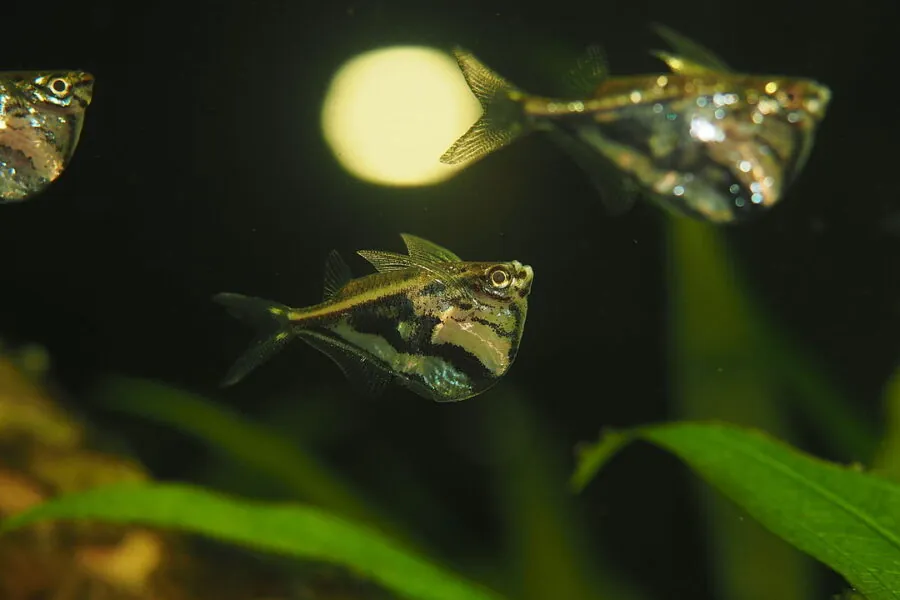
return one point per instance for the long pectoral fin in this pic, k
(385, 262)
(364, 373)
(421, 249)
(682, 65)
(442, 272)
(617, 193)
(694, 58)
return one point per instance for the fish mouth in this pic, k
(86, 83)
(524, 276)
(816, 100)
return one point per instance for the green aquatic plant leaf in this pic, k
(887, 462)
(549, 551)
(727, 373)
(593, 457)
(845, 518)
(283, 460)
(288, 529)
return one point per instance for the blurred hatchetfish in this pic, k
(701, 141)
(41, 115)
(445, 328)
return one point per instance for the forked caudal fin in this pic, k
(502, 120)
(273, 325)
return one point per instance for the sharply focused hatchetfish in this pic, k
(445, 328)
(41, 115)
(702, 141)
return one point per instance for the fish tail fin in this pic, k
(273, 326)
(502, 120)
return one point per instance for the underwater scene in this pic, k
(383, 299)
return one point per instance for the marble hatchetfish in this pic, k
(702, 141)
(41, 116)
(445, 328)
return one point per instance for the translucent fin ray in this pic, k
(363, 373)
(681, 65)
(273, 326)
(420, 248)
(588, 72)
(337, 275)
(616, 194)
(385, 262)
(693, 55)
(425, 256)
(502, 120)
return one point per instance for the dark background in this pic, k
(202, 168)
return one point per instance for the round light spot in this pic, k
(390, 114)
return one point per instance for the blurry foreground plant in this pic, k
(44, 454)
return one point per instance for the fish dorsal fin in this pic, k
(422, 249)
(364, 374)
(440, 267)
(337, 274)
(693, 58)
(588, 72)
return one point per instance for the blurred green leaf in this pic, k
(720, 370)
(847, 519)
(235, 436)
(721, 320)
(296, 530)
(888, 461)
(593, 457)
(548, 546)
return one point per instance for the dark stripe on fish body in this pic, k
(461, 359)
(494, 326)
(385, 320)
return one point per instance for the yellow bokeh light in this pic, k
(389, 114)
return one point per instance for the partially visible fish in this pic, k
(702, 141)
(445, 328)
(41, 115)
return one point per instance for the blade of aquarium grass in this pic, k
(845, 518)
(287, 529)
(697, 251)
(888, 460)
(551, 553)
(807, 384)
(718, 371)
(279, 458)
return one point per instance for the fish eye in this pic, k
(60, 87)
(499, 277)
